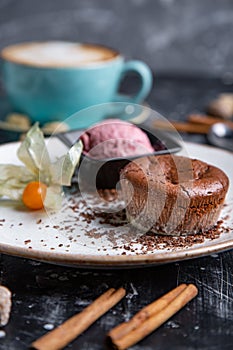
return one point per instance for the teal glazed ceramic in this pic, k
(48, 94)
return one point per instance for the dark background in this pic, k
(170, 35)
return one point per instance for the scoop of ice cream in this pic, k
(114, 138)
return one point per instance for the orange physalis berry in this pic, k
(34, 195)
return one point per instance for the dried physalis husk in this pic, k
(222, 107)
(19, 121)
(54, 128)
(5, 305)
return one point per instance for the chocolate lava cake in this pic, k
(173, 195)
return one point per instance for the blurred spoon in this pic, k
(221, 135)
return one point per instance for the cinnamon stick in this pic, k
(155, 320)
(69, 330)
(181, 127)
(203, 119)
(196, 124)
(126, 327)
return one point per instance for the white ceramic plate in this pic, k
(66, 238)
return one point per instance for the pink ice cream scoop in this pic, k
(114, 138)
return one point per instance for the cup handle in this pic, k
(145, 74)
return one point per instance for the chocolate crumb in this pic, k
(150, 241)
(108, 195)
(27, 241)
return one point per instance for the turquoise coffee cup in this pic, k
(51, 85)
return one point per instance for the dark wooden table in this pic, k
(45, 295)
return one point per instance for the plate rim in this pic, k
(129, 260)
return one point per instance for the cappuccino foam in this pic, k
(57, 54)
